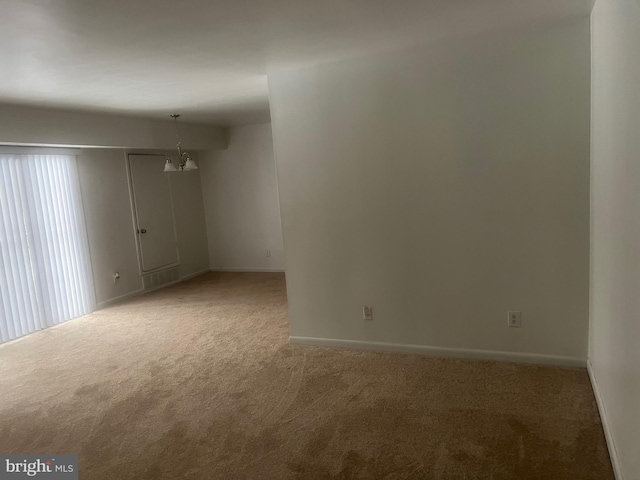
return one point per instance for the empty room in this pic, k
(310, 239)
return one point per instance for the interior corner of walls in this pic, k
(241, 203)
(194, 274)
(121, 298)
(226, 137)
(606, 425)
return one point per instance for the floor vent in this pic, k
(158, 279)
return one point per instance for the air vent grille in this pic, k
(159, 279)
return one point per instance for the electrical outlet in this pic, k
(367, 313)
(514, 319)
(116, 277)
(267, 253)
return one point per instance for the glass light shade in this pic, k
(190, 165)
(169, 166)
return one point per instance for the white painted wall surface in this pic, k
(30, 125)
(614, 351)
(443, 187)
(241, 202)
(186, 191)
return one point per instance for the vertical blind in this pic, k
(45, 271)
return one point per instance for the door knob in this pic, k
(142, 230)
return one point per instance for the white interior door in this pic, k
(154, 212)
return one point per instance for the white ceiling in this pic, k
(208, 59)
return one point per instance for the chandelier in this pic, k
(185, 162)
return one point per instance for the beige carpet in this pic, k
(197, 381)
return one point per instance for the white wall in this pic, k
(241, 202)
(443, 187)
(614, 352)
(42, 126)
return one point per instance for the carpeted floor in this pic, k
(197, 381)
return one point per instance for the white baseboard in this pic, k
(613, 454)
(193, 275)
(248, 270)
(121, 298)
(443, 352)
